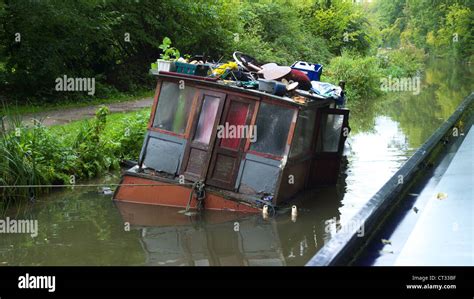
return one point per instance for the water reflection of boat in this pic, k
(227, 238)
(153, 215)
(212, 238)
(289, 146)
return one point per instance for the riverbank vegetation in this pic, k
(39, 155)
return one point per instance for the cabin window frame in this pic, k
(308, 152)
(189, 119)
(345, 124)
(291, 129)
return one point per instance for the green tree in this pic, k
(343, 25)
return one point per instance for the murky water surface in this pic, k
(84, 227)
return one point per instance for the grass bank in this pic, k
(39, 155)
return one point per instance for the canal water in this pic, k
(81, 226)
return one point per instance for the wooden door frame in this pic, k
(242, 143)
(194, 115)
(327, 155)
(345, 124)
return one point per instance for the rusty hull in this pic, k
(156, 190)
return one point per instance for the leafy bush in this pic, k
(94, 156)
(404, 62)
(343, 25)
(126, 136)
(29, 156)
(362, 76)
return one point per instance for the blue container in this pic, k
(313, 71)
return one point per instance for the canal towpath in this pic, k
(67, 115)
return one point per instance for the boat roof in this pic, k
(314, 99)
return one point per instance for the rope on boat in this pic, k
(87, 185)
(198, 189)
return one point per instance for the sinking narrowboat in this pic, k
(280, 146)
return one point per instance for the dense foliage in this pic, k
(361, 73)
(115, 41)
(444, 28)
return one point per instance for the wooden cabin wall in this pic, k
(330, 174)
(163, 152)
(258, 175)
(262, 165)
(293, 180)
(297, 170)
(325, 166)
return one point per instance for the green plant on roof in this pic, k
(168, 51)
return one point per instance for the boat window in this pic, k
(331, 126)
(207, 118)
(304, 132)
(235, 121)
(174, 106)
(273, 123)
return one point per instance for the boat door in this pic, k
(234, 130)
(218, 137)
(202, 135)
(332, 129)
